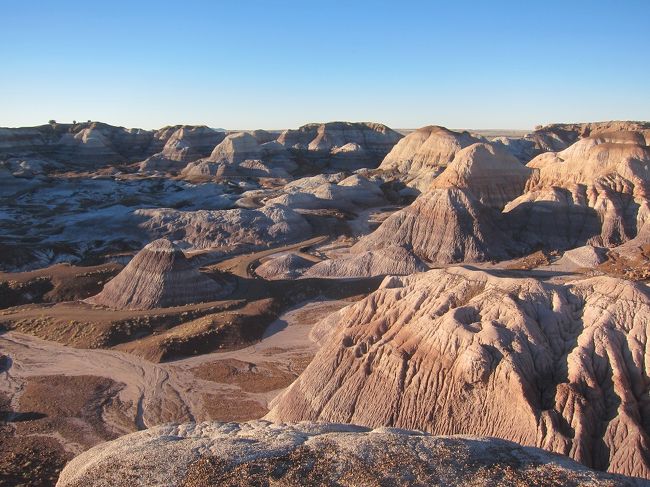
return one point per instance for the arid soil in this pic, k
(58, 401)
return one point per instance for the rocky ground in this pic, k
(259, 453)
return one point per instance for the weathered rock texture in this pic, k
(493, 175)
(561, 367)
(423, 154)
(594, 192)
(229, 229)
(586, 257)
(559, 136)
(84, 144)
(158, 276)
(444, 226)
(187, 143)
(389, 260)
(243, 154)
(259, 453)
(350, 193)
(288, 266)
(349, 145)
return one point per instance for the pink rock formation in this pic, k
(389, 260)
(561, 367)
(423, 154)
(593, 192)
(493, 175)
(288, 266)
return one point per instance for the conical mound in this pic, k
(444, 226)
(158, 276)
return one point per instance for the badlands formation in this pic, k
(397, 288)
(159, 276)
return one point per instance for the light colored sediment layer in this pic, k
(259, 453)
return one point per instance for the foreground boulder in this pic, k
(158, 276)
(561, 367)
(260, 453)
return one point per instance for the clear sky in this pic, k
(278, 64)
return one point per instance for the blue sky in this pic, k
(277, 64)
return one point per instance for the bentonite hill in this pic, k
(425, 307)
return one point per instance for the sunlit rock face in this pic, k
(454, 351)
(423, 154)
(260, 453)
(444, 226)
(593, 192)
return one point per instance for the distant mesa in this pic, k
(374, 138)
(159, 276)
(186, 143)
(308, 149)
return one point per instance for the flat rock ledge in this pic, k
(309, 454)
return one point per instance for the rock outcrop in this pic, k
(351, 193)
(185, 144)
(389, 260)
(559, 136)
(586, 257)
(259, 453)
(288, 266)
(343, 145)
(244, 154)
(231, 230)
(594, 192)
(493, 175)
(236, 148)
(423, 154)
(454, 351)
(444, 226)
(159, 276)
